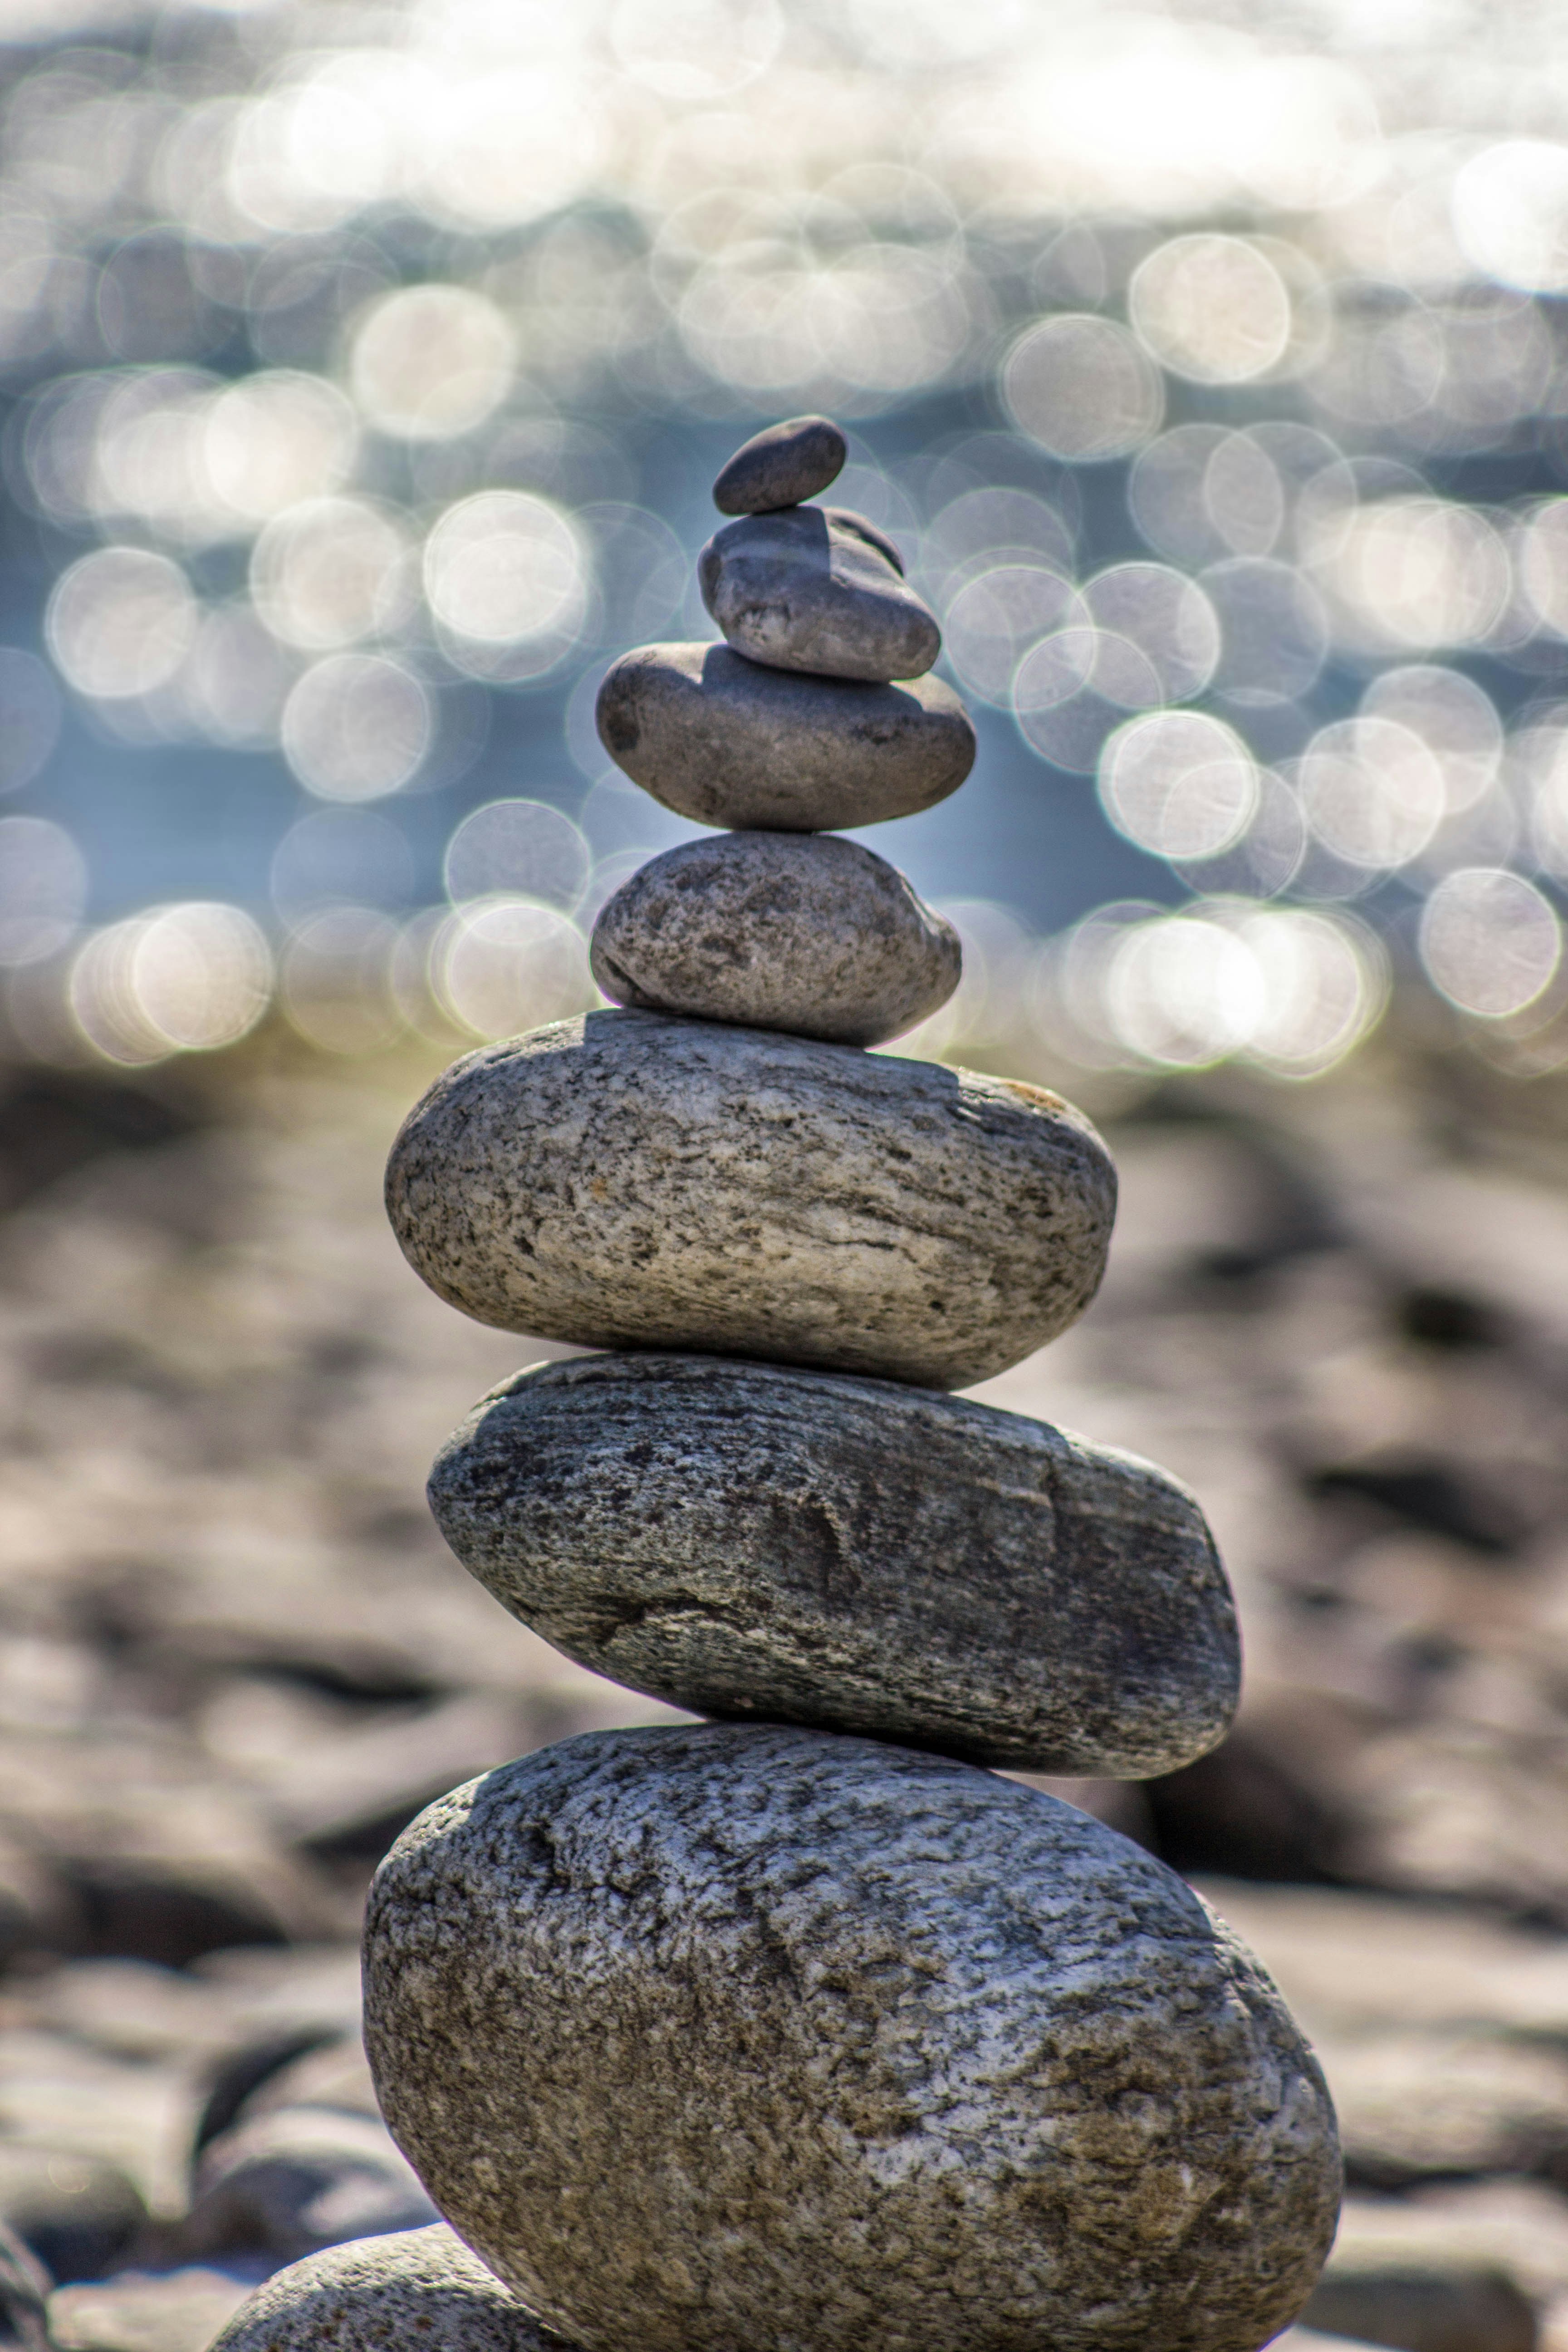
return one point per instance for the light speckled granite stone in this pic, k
(749, 2036)
(820, 589)
(780, 465)
(418, 2291)
(726, 741)
(748, 1539)
(778, 930)
(625, 1179)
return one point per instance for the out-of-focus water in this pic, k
(366, 367)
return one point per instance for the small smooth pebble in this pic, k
(746, 1539)
(818, 589)
(717, 2035)
(725, 742)
(780, 465)
(625, 1179)
(286, 2183)
(778, 930)
(418, 2288)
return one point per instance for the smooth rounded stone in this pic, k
(778, 930)
(744, 1539)
(725, 742)
(421, 2287)
(717, 2035)
(819, 589)
(627, 1180)
(290, 2182)
(780, 465)
(77, 2214)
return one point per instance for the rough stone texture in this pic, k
(421, 2288)
(778, 930)
(721, 2036)
(780, 465)
(288, 2183)
(726, 741)
(624, 1179)
(741, 1537)
(816, 588)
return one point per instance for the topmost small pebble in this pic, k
(780, 465)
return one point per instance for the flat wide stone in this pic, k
(628, 1179)
(820, 589)
(726, 741)
(416, 2288)
(780, 465)
(732, 2036)
(746, 1539)
(778, 930)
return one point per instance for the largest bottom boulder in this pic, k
(755, 2035)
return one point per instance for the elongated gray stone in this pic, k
(625, 1179)
(744, 1538)
(780, 465)
(723, 2035)
(778, 930)
(819, 589)
(726, 741)
(414, 2288)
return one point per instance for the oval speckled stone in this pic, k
(780, 465)
(412, 2287)
(819, 589)
(717, 2035)
(778, 930)
(725, 742)
(625, 1179)
(745, 1538)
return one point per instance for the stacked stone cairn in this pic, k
(799, 2029)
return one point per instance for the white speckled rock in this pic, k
(816, 588)
(729, 2036)
(780, 465)
(749, 1539)
(416, 2291)
(625, 1179)
(726, 741)
(778, 930)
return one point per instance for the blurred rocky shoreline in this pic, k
(236, 1658)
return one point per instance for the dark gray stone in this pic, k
(722, 2036)
(780, 465)
(725, 742)
(627, 1180)
(288, 2183)
(1464, 2307)
(421, 2289)
(778, 930)
(741, 1538)
(819, 589)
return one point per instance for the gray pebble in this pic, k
(741, 1539)
(725, 2036)
(286, 2183)
(419, 2288)
(627, 1180)
(778, 930)
(819, 589)
(77, 2214)
(726, 741)
(780, 465)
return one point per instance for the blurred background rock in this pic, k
(363, 369)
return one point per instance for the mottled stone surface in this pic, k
(778, 930)
(726, 741)
(421, 2288)
(780, 465)
(816, 588)
(625, 1179)
(752, 2036)
(747, 1538)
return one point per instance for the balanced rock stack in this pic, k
(798, 2029)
